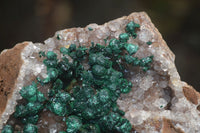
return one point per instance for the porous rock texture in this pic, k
(159, 100)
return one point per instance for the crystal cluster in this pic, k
(90, 106)
(158, 100)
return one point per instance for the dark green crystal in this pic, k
(90, 128)
(149, 42)
(63, 97)
(58, 37)
(20, 111)
(123, 37)
(62, 132)
(131, 28)
(115, 45)
(58, 108)
(7, 129)
(72, 47)
(98, 70)
(34, 107)
(74, 123)
(42, 54)
(99, 59)
(30, 119)
(131, 48)
(90, 29)
(30, 128)
(40, 97)
(29, 92)
(51, 55)
(64, 50)
(52, 75)
(129, 59)
(104, 95)
(145, 62)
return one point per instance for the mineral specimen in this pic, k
(117, 77)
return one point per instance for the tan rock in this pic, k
(159, 100)
(10, 64)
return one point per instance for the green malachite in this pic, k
(74, 123)
(7, 129)
(131, 29)
(58, 37)
(30, 128)
(30, 119)
(86, 97)
(131, 48)
(123, 37)
(149, 42)
(90, 29)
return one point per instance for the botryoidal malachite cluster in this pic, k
(87, 98)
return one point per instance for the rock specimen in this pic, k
(157, 102)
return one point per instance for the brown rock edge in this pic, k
(191, 94)
(167, 127)
(10, 64)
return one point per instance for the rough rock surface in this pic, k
(159, 100)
